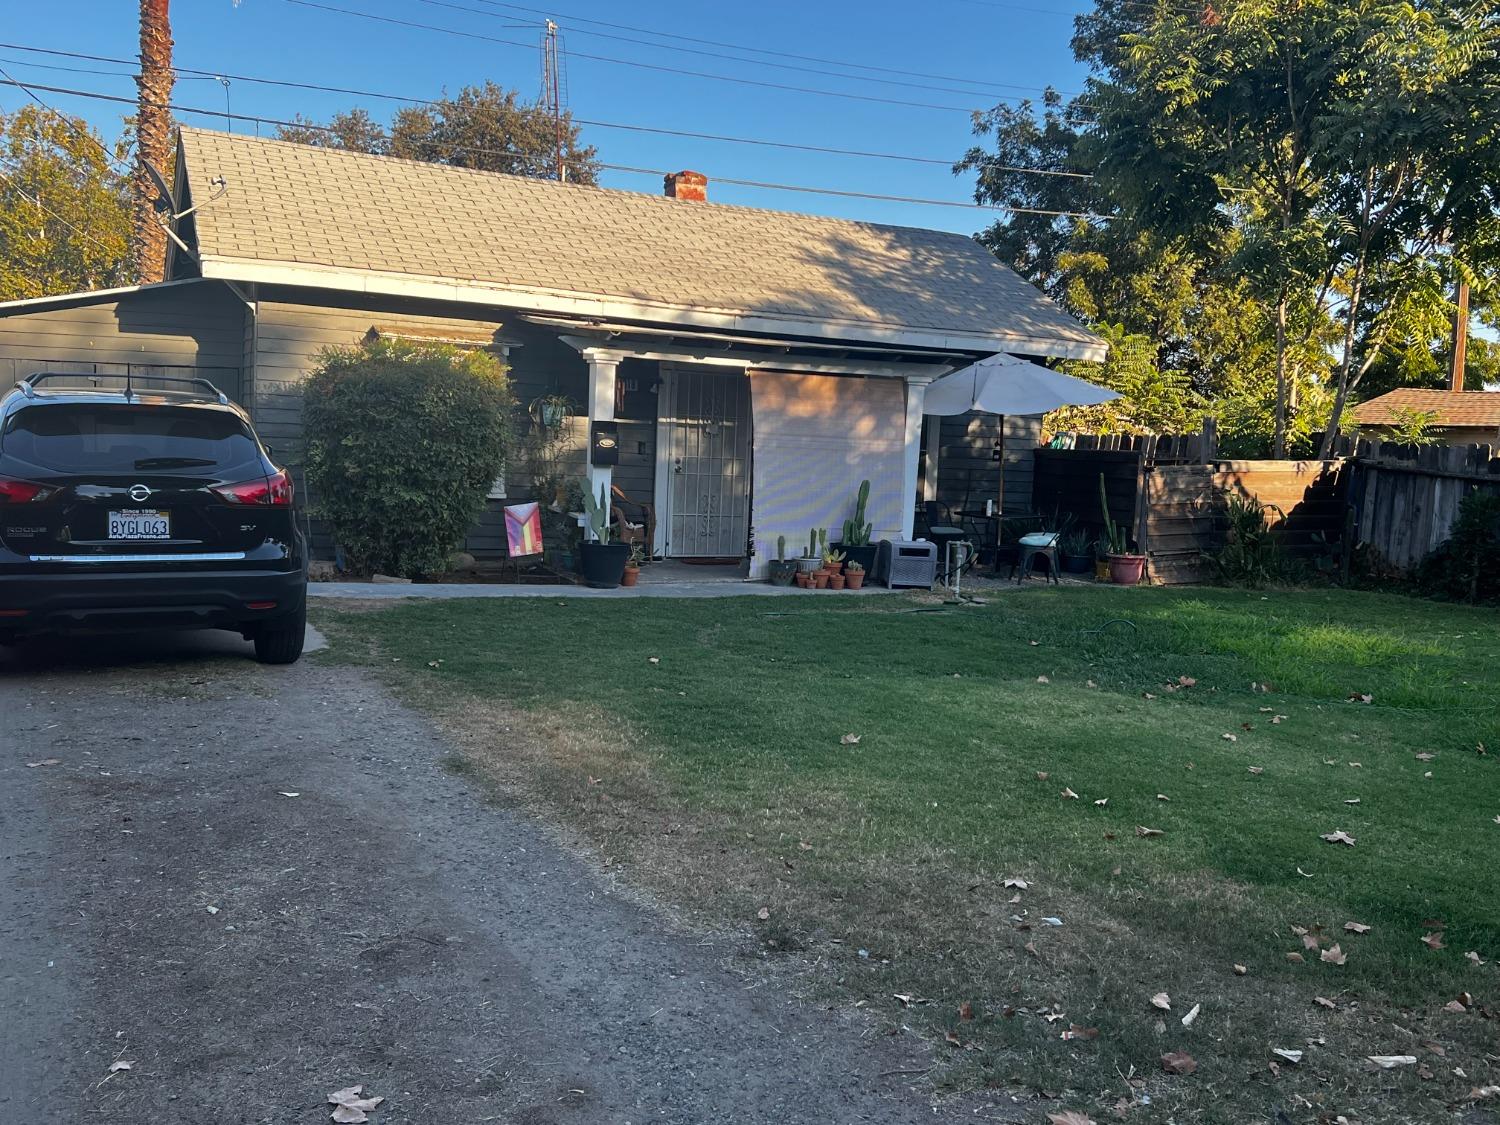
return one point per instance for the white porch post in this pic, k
(603, 364)
(916, 393)
(932, 443)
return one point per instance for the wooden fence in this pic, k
(1405, 499)
(1399, 502)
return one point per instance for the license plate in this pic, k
(139, 523)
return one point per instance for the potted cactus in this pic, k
(833, 561)
(632, 572)
(812, 558)
(1125, 568)
(856, 543)
(854, 574)
(603, 561)
(781, 570)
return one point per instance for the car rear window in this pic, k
(99, 438)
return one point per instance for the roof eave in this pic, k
(88, 296)
(1083, 345)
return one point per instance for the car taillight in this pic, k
(275, 489)
(23, 492)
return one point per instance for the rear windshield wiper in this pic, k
(172, 462)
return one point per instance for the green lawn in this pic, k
(717, 777)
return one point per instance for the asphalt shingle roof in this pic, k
(1454, 408)
(291, 203)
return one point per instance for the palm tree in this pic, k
(153, 140)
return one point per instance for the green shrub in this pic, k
(1251, 554)
(404, 443)
(1467, 566)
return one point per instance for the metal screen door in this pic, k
(704, 442)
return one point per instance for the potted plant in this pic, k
(1125, 568)
(854, 574)
(812, 558)
(804, 579)
(1077, 551)
(781, 570)
(551, 411)
(603, 561)
(820, 579)
(833, 561)
(632, 571)
(856, 543)
(836, 581)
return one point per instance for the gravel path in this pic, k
(165, 902)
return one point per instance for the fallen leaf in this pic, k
(1293, 1057)
(763, 913)
(803, 845)
(1043, 680)
(120, 1064)
(1351, 800)
(44, 762)
(1017, 883)
(1304, 874)
(1295, 958)
(1230, 737)
(1178, 1062)
(1311, 941)
(1424, 1072)
(1162, 797)
(966, 1011)
(284, 793)
(1356, 928)
(1041, 776)
(1434, 941)
(1277, 720)
(1339, 836)
(1102, 801)
(1033, 644)
(1425, 756)
(1428, 775)
(1163, 1001)
(849, 740)
(1456, 1006)
(1076, 1032)
(1361, 697)
(348, 1115)
(1356, 766)
(1069, 1117)
(1142, 830)
(1089, 683)
(1324, 1002)
(1240, 970)
(1187, 1020)
(212, 909)
(904, 997)
(1070, 795)
(1186, 681)
(952, 1039)
(1473, 958)
(1256, 769)
(1147, 695)
(653, 660)
(1333, 955)
(1031, 949)
(1390, 1062)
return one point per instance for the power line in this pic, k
(575, 19)
(685, 133)
(82, 132)
(821, 70)
(632, 62)
(612, 167)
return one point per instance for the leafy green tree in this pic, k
(485, 127)
(1153, 399)
(64, 212)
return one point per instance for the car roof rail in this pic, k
(29, 383)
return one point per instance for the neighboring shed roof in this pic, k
(1453, 408)
(303, 215)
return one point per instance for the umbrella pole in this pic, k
(1000, 501)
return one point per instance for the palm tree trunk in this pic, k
(153, 140)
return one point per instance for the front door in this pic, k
(703, 462)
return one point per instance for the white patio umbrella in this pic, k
(1003, 384)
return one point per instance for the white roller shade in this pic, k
(816, 437)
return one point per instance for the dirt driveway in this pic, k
(258, 885)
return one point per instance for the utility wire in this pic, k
(632, 62)
(10, 80)
(789, 145)
(612, 167)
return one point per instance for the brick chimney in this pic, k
(686, 185)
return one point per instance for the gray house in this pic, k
(752, 366)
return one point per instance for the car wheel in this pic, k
(280, 641)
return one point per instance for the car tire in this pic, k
(280, 641)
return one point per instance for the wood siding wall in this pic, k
(1407, 499)
(196, 329)
(968, 473)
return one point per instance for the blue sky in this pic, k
(986, 51)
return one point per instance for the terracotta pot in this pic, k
(1126, 570)
(834, 568)
(804, 580)
(631, 575)
(855, 579)
(1101, 570)
(820, 580)
(835, 581)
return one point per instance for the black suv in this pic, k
(125, 509)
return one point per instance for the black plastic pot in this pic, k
(865, 555)
(604, 564)
(780, 572)
(1078, 564)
